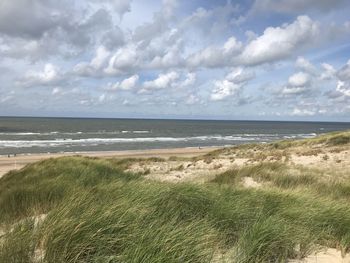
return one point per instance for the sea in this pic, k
(21, 135)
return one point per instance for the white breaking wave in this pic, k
(108, 141)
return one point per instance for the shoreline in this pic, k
(20, 160)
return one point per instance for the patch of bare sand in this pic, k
(334, 160)
(328, 255)
(186, 170)
(249, 182)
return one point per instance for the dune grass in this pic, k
(97, 212)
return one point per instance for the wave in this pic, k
(108, 141)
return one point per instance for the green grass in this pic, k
(97, 212)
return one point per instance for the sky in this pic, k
(198, 59)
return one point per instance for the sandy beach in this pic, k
(20, 160)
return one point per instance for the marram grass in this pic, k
(96, 212)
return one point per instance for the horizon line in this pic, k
(174, 119)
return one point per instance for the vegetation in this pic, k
(92, 210)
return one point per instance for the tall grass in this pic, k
(96, 212)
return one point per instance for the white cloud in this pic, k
(240, 75)
(162, 81)
(94, 67)
(189, 80)
(123, 60)
(48, 76)
(231, 85)
(171, 57)
(127, 84)
(280, 42)
(224, 89)
(216, 56)
(328, 71)
(56, 91)
(299, 79)
(302, 112)
(232, 46)
(305, 65)
(101, 56)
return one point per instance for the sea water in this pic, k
(42, 135)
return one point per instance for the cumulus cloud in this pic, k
(231, 85)
(48, 76)
(216, 56)
(305, 65)
(299, 83)
(341, 93)
(123, 60)
(96, 64)
(280, 42)
(162, 81)
(299, 79)
(127, 84)
(224, 89)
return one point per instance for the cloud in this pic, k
(296, 6)
(344, 73)
(216, 56)
(162, 81)
(328, 71)
(113, 38)
(299, 79)
(277, 43)
(30, 19)
(48, 76)
(192, 99)
(341, 93)
(224, 89)
(43, 29)
(302, 112)
(123, 60)
(127, 84)
(170, 57)
(240, 75)
(298, 84)
(121, 6)
(231, 85)
(305, 65)
(94, 67)
(189, 80)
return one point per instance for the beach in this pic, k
(20, 160)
